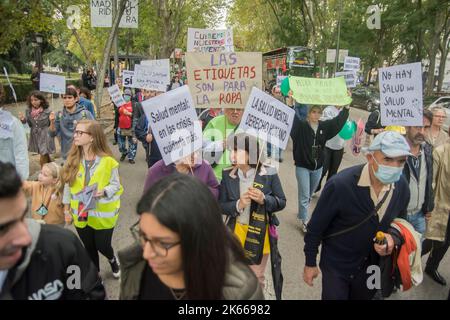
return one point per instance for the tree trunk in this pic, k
(434, 48)
(444, 53)
(106, 54)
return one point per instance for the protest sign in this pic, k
(10, 84)
(223, 80)
(320, 91)
(401, 95)
(152, 74)
(280, 80)
(331, 55)
(127, 78)
(267, 118)
(116, 95)
(349, 76)
(52, 83)
(208, 41)
(173, 122)
(351, 64)
(102, 14)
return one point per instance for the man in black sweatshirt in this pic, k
(355, 204)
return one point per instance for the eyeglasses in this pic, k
(80, 133)
(440, 117)
(160, 248)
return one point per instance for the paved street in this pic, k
(290, 242)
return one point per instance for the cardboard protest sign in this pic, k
(116, 95)
(10, 84)
(173, 122)
(102, 14)
(351, 64)
(320, 91)
(331, 55)
(267, 118)
(401, 95)
(223, 80)
(52, 83)
(208, 41)
(152, 74)
(349, 76)
(127, 78)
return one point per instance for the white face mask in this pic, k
(387, 174)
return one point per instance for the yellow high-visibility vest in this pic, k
(106, 212)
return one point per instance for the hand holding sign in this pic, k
(52, 117)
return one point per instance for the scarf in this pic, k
(36, 112)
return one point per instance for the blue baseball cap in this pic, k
(391, 143)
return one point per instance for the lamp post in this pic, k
(39, 39)
(68, 63)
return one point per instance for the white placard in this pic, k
(101, 13)
(280, 79)
(208, 41)
(331, 55)
(352, 64)
(152, 74)
(267, 119)
(52, 83)
(350, 78)
(173, 122)
(116, 95)
(10, 84)
(401, 95)
(127, 78)
(130, 17)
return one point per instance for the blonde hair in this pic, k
(99, 147)
(56, 169)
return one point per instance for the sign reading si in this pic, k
(320, 91)
(401, 95)
(52, 83)
(223, 80)
(173, 121)
(205, 40)
(127, 78)
(267, 118)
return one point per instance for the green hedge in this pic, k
(23, 87)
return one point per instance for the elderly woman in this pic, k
(436, 136)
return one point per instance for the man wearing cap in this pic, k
(355, 204)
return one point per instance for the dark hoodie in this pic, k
(49, 268)
(65, 124)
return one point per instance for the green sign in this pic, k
(331, 91)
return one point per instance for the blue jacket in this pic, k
(341, 205)
(88, 105)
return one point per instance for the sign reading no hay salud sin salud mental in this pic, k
(173, 121)
(208, 41)
(329, 92)
(52, 83)
(223, 80)
(401, 95)
(101, 14)
(267, 118)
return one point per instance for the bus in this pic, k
(294, 60)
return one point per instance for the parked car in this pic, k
(366, 98)
(443, 102)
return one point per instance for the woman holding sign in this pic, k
(309, 137)
(250, 194)
(38, 118)
(92, 190)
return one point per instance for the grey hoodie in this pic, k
(65, 124)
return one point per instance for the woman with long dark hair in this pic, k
(37, 117)
(184, 251)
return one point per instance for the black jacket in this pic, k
(304, 139)
(341, 205)
(374, 122)
(428, 204)
(51, 267)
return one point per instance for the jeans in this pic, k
(418, 222)
(274, 152)
(132, 147)
(307, 181)
(332, 161)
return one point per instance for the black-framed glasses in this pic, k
(80, 133)
(160, 248)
